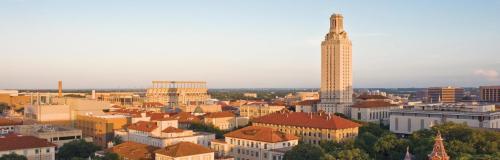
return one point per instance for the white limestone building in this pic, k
(407, 121)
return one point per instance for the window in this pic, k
(37, 151)
(396, 124)
(47, 150)
(409, 125)
(422, 124)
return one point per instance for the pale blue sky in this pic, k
(252, 43)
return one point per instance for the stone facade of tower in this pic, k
(438, 152)
(336, 68)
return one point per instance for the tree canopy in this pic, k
(77, 149)
(13, 156)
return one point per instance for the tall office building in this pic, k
(444, 94)
(336, 68)
(490, 93)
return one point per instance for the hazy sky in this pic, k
(245, 43)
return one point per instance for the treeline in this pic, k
(374, 142)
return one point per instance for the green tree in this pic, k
(13, 156)
(390, 147)
(200, 127)
(353, 154)
(77, 148)
(304, 152)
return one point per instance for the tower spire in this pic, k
(336, 23)
(438, 152)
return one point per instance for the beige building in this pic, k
(373, 111)
(178, 93)
(101, 127)
(255, 143)
(258, 109)
(31, 147)
(8, 125)
(310, 127)
(308, 106)
(336, 68)
(119, 98)
(184, 151)
(409, 120)
(225, 120)
(162, 133)
(52, 133)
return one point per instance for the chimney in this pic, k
(60, 89)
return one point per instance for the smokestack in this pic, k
(93, 94)
(60, 89)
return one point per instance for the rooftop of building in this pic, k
(10, 122)
(367, 97)
(186, 117)
(223, 114)
(15, 142)
(133, 150)
(263, 134)
(310, 120)
(183, 149)
(373, 104)
(143, 126)
(308, 102)
(172, 130)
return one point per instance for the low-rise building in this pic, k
(31, 147)
(254, 142)
(163, 133)
(307, 106)
(490, 94)
(310, 127)
(258, 109)
(133, 151)
(373, 111)
(8, 125)
(58, 135)
(101, 127)
(184, 151)
(409, 120)
(225, 120)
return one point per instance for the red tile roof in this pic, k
(154, 116)
(373, 104)
(301, 119)
(186, 117)
(172, 130)
(14, 142)
(220, 114)
(143, 126)
(10, 122)
(263, 134)
(152, 104)
(132, 150)
(308, 102)
(366, 97)
(182, 149)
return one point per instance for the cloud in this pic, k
(489, 74)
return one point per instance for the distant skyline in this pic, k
(245, 44)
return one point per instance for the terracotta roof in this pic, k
(301, 119)
(172, 130)
(152, 104)
(365, 97)
(182, 149)
(10, 122)
(186, 117)
(132, 150)
(373, 104)
(143, 126)
(15, 141)
(157, 116)
(220, 115)
(263, 134)
(308, 102)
